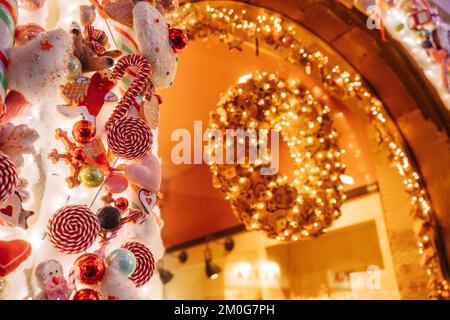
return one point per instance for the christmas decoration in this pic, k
(121, 203)
(154, 43)
(123, 260)
(50, 278)
(116, 183)
(50, 66)
(73, 229)
(39, 67)
(12, 212)
(8, 11)
(145, 173)
(145, 263)
(278, 36)
(86, 294)
(150, 112)
(12, 254)
(109, 218)
(89, 94)
(177, 39)
(8, 177)
(16, 141)
(91, 49)
(84, 131)
(130, 138)
(91, 176)
(284, 210)
(89, 269)
(27, 32)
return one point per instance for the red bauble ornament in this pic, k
(79, 156)
(178, 39)
(121, 203)
(86, 294)
(84, 131)
(90, 268)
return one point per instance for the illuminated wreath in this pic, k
(286, 210)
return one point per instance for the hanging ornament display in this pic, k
(89, 269)
(285, 210)
(73, 229)
(145, 263)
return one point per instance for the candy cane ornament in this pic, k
(73, 229)
(145, 263)
(130, 137)
(8, 177)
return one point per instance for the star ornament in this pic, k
(46, 46)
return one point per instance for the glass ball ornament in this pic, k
(79, 155)
(84, 131)
(3, 288)
(91, 175)
(86, 294)
(74, 68)
(123, 260)
(89, 268)
(121, 203)
(109, 218)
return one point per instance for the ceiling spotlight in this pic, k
(229, 244)
(212, 270)
(183, 256)
(165, 275)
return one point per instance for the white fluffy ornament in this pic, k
(40, 66)
(153, 37)
(115, 285)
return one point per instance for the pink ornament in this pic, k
(146, 173)
(16, 105)
(116, 183)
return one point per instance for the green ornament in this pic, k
(91, 176)
(399, 27)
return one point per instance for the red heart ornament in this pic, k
(12, 254)
(7, 211)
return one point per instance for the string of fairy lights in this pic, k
(238, 25)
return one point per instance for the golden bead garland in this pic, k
(285, 210)
(238, 24)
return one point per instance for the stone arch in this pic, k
(412, 91)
